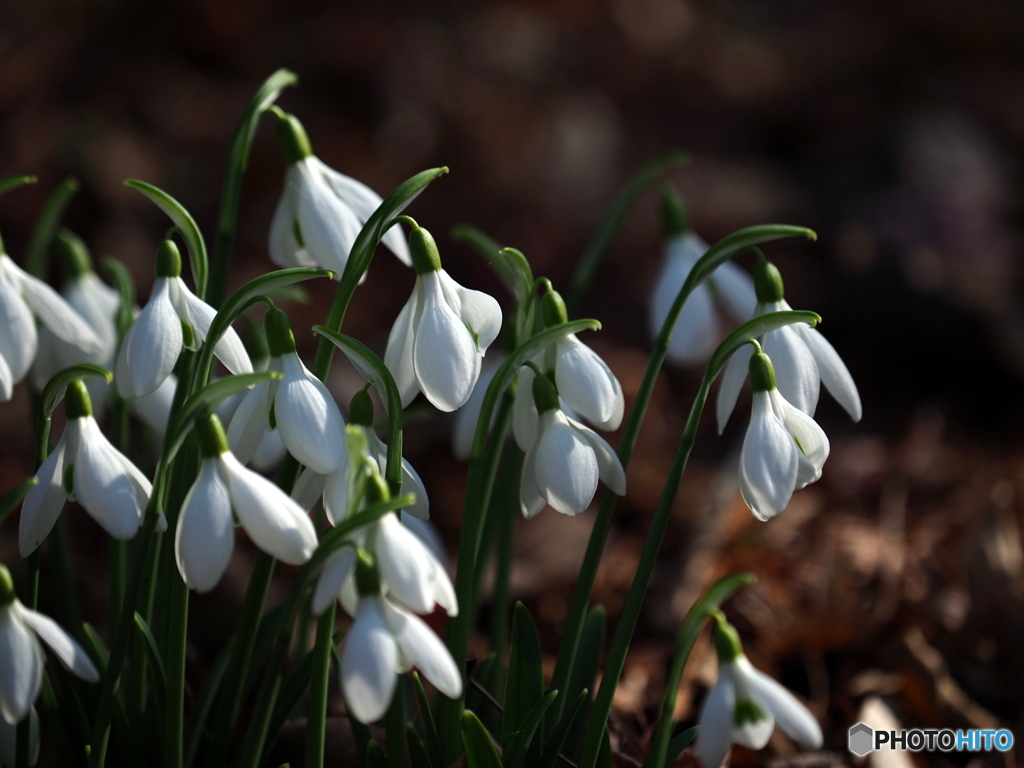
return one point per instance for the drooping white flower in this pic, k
(565, 460)
(439, 339)
(23, 300)
(466, 418)
(803, 359)
(205, 536)
(303, 410)
(784, 449)
(21, 655)
(699, 328)
(586, 385)
(84, 465)
(745, 705)
(173, 320)
(320, 211)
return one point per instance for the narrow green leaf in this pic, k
(417, 752)
(584, 670)
(99, 651)
(156, 662)
(13, 182)
(524, 738)
(375, 757)
(204, 705)
(430, 728)
(125, 285)
(678, 744)
(525, 687)
(480, 751)
(604, 755)
(11, 499)
(648, 176)
(186, 224)
(46, 225)
(554, 745)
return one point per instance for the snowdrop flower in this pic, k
(745, 705)
(320, 211)
(21, 656)
(699, 328)
(466, 418)
(584, 381)
(297, 405)
(803, 358)
(441, 334)
(23, 300)
(386, 639)
(174, 319)
(85, 466)
(205, 537)
(565, 460)
(784, 449)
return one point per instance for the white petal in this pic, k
(525, 420)
(122, 373)
(6, 381)
(480, 312)
(768, 461)
(155, 341)
(696, 332)
(45, 500)
(250, 422)
(565, 464)
(97, 303)
(716, 723)
(834, 373)
(411, 482)
(275, 523)
(285, 250)
(398, 354)
(61, 643)
(587, 384)
(18, 341)
(21, 666)
(445, 355)
(427, 533)
(328, 586)
(424, 649)
(336, 494)
(676, 267)
(103, 485)
(205, 536)
(796, 372)
(53, 311)
(229, 349)
(269, 453)
(154, 409)
(466, 418)
(531, 501)
(308, 488)
(732, 382)
(812, 443)
(308, 418)
(328, 225)
(790, 715)
(368, 664)
(608, 464)
(405, 565)
(735, 290)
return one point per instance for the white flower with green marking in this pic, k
(84, 466)
(174, 319)
(21, 655)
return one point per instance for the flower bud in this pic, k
(768, 282)
(7, 593)
(367, 575)
(77, 404)
(674, 219)
(423, 250)
(73, 255)
(545, 396)
(292, 139)
(280, 338)
(210, 434)
(762, 373)
(168, 260)
(552, 309)
(360, 409)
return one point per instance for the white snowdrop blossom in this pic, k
(23, 300)
(174, 319)
(784, 449)
(85, 466)
(21, 655)
(298, 405)
(320, 211)
(745, 705)
(803, 359)
(698, 330)
(224, 489)
(466, 418)
(565, 460)
(439, 339)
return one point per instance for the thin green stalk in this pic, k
(395, 737)
(46, 225)
(175, 749)
(317, 723)
(117, 550)
(507, 511)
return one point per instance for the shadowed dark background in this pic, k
(894, 130)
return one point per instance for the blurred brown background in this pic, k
(894, 129)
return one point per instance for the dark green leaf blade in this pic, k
(524, 738)
(480, 751)
(525, 686)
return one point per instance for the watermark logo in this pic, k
(863, 739)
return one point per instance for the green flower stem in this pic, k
(46, 227)
(507, 511)
(719, 253)
(395, 722)
(316, 732)
(686, 639)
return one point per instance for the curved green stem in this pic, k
(46, 226)
(319, 683)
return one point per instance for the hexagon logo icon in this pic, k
(861, 739)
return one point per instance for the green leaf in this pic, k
(679, 743)
(554, 746)
(13, 182)
(525, 686)
(125, 285)
(417, 752)
(648, 176)
(99, 654)
(480, 751)
(753, 329)
(156, 662)
(11, 499)
(433, 740)
(186, 224)
(375, 756)
(604, 755)
(524, 738)
(588, 661)
(46, 226)
(239, 301)
(204, 705)
(54, 390)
